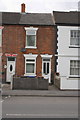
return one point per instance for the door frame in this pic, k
(46, 56)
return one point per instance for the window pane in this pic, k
(30, 60)
(30, 67)
(79, 71)
(46, 59)
(11, 58)
(75, 63)
(79, 33)
(72, 71)
(30, 40)
(44, 68)
(79, 64)
(31, 32)
(76, 71)
(75, 32)
(79, 41)
(71, 63)
(47, 68)
(71, 33)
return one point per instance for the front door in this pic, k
(10, 68)
(46, 69)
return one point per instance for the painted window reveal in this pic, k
(75, 37)
(31, 37)
(75, 67)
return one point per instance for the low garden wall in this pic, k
(26, 83)
(57, 80)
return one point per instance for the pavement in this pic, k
(52, 91)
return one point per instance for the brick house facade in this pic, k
(31, 57)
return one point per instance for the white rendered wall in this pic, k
(65, 54)
(64, 41)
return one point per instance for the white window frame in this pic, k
(30, 57)
(69, 68)
(31, 29)
(73, 38)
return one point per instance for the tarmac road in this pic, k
(39, 107)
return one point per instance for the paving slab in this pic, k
(51, 92)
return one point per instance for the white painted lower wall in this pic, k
(66, 81)
(69, 83)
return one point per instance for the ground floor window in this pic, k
(75, 67)
(30, 64)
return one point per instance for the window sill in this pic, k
(74, 76)
(30, 47)
(74, 46)
(30, 75)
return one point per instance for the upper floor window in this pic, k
(75, 37)
(31, 37)
(75, 67)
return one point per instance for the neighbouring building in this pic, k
(68, 48)
(28, 45)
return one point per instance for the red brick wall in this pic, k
(14, 38)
